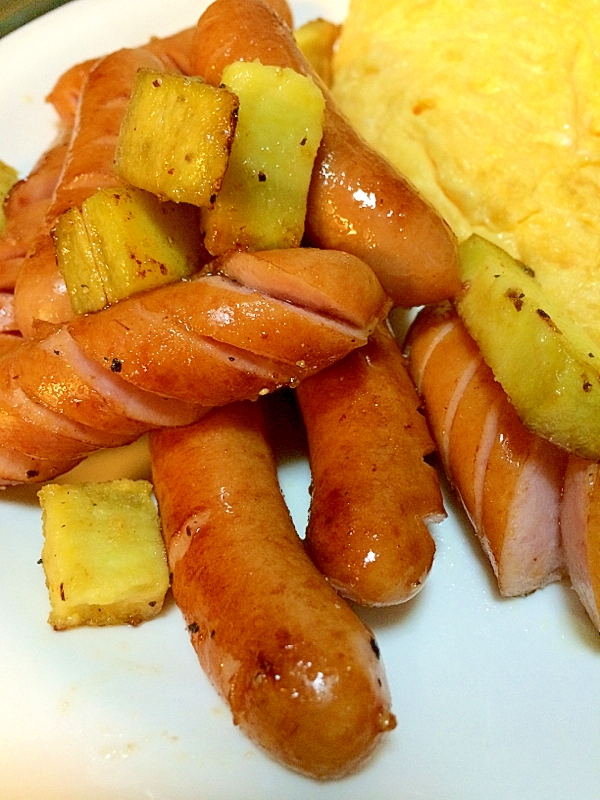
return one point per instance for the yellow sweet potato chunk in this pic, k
(77, 264)
(175, 137)
(122, 242)
(262, 202)
(8, 178)
(103, 554)
(546, 363)
(317, 39)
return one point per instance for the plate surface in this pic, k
(495, 699)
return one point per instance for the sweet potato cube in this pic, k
(77, 264)
(176, 136)
(316, 39)
(122, 242)
(262, 202)
(103, 553)
(8, 178)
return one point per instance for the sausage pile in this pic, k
(190, 362)
(301, 674)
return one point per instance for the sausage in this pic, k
(66, 92)
(371, 490)
(256, 322)
(7, 313)
(162, 357)
(173, 51)
(580, 526)
(300, 672)
(510, 480)
(26, 207)
(282, 8)
(8, 342)
(357, 200)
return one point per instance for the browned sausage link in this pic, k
(300, 672)
(282, 8)
(174, 51)
(67, 90)
(26, 207)
(40, 292)
(357, 202)
(580, 531)
(371, 488)
(509, 479)
(161, 357)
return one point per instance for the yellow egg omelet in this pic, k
(492, 109)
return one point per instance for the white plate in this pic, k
(496, 700)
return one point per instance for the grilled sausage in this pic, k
(509, 479)
(300, 672)
(371, 490)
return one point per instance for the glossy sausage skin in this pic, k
(371, 490)
(580, 525)
(509, 479)
(357, 201)
(174, 51)
(26, 207)
(300, 672)
(67, 90)
(282, 8)
(162, 357)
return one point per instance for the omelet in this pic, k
(492, 109)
